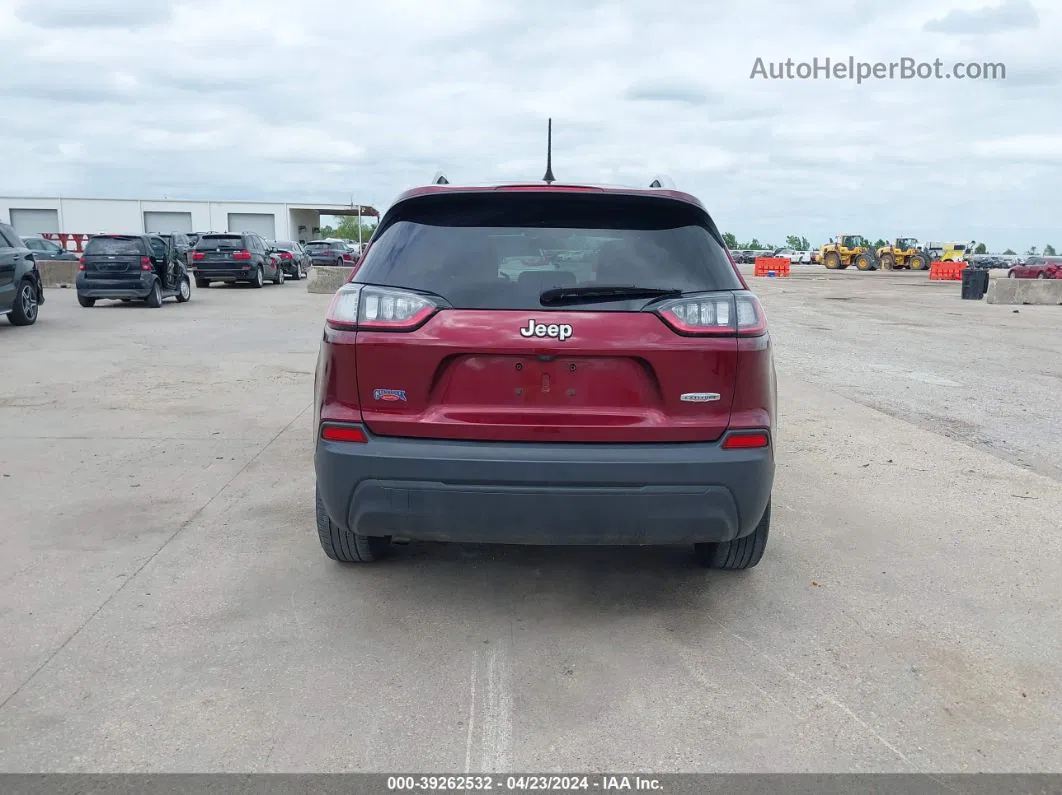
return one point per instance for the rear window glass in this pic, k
(501, 251)
(112, 246)
(319, 244)
(220, 241)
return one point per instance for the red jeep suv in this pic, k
(545, 364)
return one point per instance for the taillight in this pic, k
(343, 433)
(348, 257)
(81, 263)
(241, 255)
(285, 255)
(746, 440)
(715, 314)
(198, 255)
(145, 263)
(357, 306)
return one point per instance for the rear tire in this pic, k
(279, 277)
(864, 262)
(832, 261)
(27, 305)
(888, 262)
(88, 303)
(741, 553)
(918, 263)
(298, 272)
(154, 299)
(345, 546)
(259, 278)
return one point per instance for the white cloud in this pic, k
(319, 99)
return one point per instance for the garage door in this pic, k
(164, 223)
(35, 222)
(264, 224)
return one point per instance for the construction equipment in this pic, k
(845, 250)
(947, 252)
(905, 252)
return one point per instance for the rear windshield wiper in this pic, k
(602, 292)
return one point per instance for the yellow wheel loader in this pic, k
(845, 250)
(905, 252)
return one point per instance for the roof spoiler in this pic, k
(439, 179)
(662, 181)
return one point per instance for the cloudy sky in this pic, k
(329, 100)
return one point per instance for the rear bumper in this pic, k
(233, 274)
(137, 287)
(527, 493)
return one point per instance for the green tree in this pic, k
(981, 249)
(1010, 252)
(1033, 251)
(797, 242)
(348, 228)
(754, 243)
(879, 243)
(1049, 250)
(730, 240)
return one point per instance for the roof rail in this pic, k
(439, 179)
(662, 181)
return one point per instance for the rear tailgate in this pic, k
(495, 364)
(114, 258)
(619, 378)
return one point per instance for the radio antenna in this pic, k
(549, 178)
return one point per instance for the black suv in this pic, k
(21, 290)
(132, 267)
(234, 257)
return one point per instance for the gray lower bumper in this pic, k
(139, 287)
(525, 493)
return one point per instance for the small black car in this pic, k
(293, 258)
(21, 290)
(234, 257)
(132, 267)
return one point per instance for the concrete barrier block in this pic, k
(58, 273)
(1025, 291)
(326, 278)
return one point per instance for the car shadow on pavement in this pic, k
(589, 581)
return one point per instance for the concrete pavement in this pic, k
(166, 606)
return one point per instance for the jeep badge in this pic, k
(554, 331)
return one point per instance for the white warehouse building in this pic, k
(80, 217)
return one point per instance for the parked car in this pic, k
(330, 252)
(182, 243)
(989, 262)
(633, 406)
(49, 250)
(132, 268)
(795, 257)
(21, 288)
(1037, 268)
(234, 257)
(293, 258)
